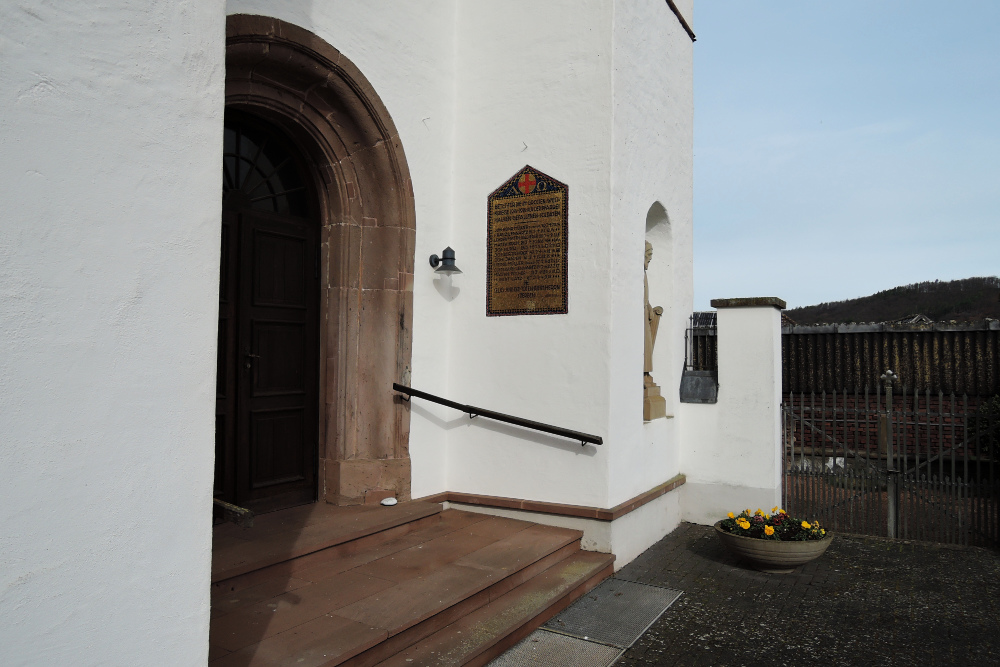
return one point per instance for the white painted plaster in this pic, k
(533, 92)
(110, 126)
(640, 529)
(652, 129)
(604, 104)
(111, 134)
(732, 453)
(707, 503)
(607, 109)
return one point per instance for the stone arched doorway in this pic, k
(292, 79)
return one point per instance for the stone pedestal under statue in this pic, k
(654, 406)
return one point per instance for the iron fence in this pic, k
(915, 465)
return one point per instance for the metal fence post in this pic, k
(892, 474)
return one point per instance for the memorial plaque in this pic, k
(527, 246)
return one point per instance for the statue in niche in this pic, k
(654, 405)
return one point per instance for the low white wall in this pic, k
(732, 452)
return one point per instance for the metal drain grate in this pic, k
(595, 630)
(617, 612)
(555, 650)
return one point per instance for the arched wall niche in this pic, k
(291, 77)
(661, 293)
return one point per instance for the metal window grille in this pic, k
(701, 352)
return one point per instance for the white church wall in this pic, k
(533, 87)
(109, 264)
(469, 120)
(110, 128)
(651, 200)
(407, 54)
(582, 370)
(733, 454)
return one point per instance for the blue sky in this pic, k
(842, 148)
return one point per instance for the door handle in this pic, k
(248, 364)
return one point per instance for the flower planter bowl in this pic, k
(773, 556)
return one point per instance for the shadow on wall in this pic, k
(446, 288)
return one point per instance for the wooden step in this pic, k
(314, 568)
(490, 630)
(418, 608)
(282, 536)
(360, 606)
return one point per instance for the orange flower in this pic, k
(731, 515)
(769, 530)
(805, 524)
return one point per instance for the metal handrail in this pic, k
(473, 411)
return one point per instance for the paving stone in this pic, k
(867, 601)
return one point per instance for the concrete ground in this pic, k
(867, 601)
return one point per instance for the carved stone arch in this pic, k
(293, 78)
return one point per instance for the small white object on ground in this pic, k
(388, 502)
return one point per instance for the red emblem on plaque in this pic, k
(526, 183)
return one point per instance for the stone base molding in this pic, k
(559, 509)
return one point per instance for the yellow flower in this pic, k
(759, 512)
(805, 524)
(775, 509)
(731, 515)
(767, 517)
(743, 523)
(769, 530)
(822, 532)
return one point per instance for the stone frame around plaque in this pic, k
(527, 246)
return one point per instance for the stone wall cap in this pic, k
(749, 302)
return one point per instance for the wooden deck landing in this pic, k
(408, 585)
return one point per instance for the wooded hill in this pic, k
(968, 300)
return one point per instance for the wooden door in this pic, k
(267, 407)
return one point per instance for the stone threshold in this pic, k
(559, 509)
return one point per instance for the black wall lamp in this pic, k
(446, 261)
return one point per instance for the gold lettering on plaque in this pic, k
(527, 263)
